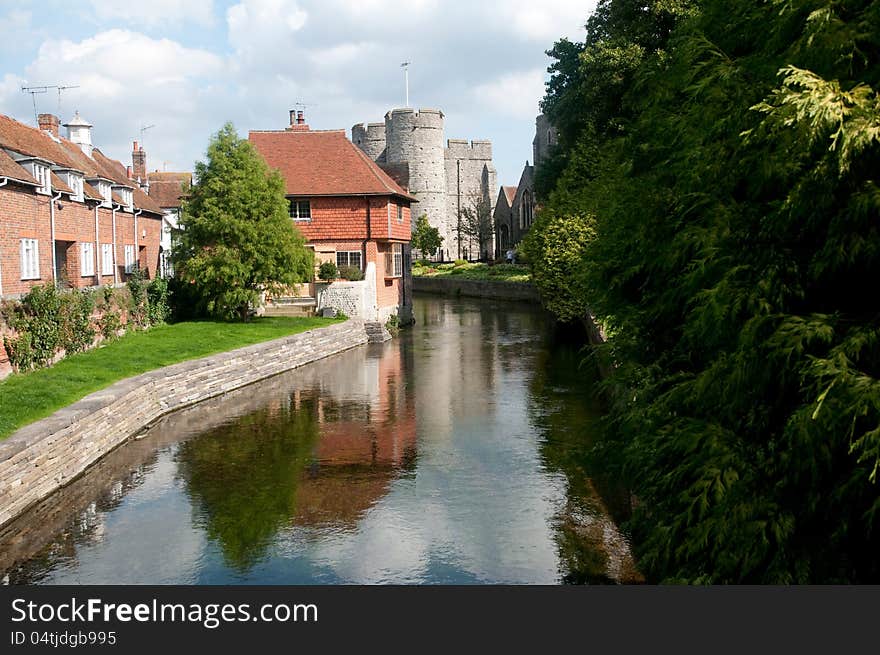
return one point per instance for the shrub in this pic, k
(353, 273)
(138, 306)
(393, 325)
(158, 309)
(76, 330)
(328, 271)
(460, 262)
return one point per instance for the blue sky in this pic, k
(187, 67)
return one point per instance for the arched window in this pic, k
(504, 237)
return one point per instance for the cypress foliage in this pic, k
(736, 216)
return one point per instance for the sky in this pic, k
(186, 67)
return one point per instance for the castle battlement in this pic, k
(441, 174)
(464, 149)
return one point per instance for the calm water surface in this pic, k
(453, 454)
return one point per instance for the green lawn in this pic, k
(28, 397)
(499, 272)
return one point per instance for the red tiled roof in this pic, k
(166, 188)
(8, 168)
(116, 172)
(33, 142)
(58, 185)
(323, 163)
(510, 194)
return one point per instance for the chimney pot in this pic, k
(300, 120)
(292, 117)
(49, 123)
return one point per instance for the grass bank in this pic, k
(29, 397)
(498, 272)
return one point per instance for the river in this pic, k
(454, 454)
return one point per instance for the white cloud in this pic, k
(264, 24)
(513, 94)
(155, 12)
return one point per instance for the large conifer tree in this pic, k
(236, 238)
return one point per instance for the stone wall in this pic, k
(495, 290)
(350, 298)
(44, 456)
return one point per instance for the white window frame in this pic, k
(106, 259)
(394, 261)
(129, 258)
(295, 210)
(42, 175)
(344, 257)
(29, 259)
(106, 191)
(87, 259)
(75, 182)
(127, 198)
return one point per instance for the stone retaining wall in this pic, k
(44, 456)
(495, 290)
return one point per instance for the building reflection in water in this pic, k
(457, 453)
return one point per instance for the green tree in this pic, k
(236, 239)
(476, 223)
(735, 215)
(426, 238)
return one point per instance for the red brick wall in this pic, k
(25, 214)
(388, 288)
(335, 219)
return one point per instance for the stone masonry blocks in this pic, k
(46, 455)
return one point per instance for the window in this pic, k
(30, 259)
(400, 213)
(75, 182)
(41, 174)
(86, 259)
(106, 259)
(126, 196)
(130, 264)
(348, 258)
(394, 261)
(104, 190)
(300, 210)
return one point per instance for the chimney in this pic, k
(138, 163)
(49, 123)
(297, 122)
(128, 172)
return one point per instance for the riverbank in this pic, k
(475, 271)
(487, 289)
(40, 458)
(28, 397)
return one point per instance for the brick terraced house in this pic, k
(68, 213)
(351, 212)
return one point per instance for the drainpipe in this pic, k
(97, 250)
(113, 208)
(137, 239)
(3, 184)
(52, 228)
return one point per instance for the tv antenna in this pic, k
(405, 67)
(34, 90)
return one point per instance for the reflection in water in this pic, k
(451, 455)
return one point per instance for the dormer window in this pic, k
(75, 182)
(40, 171)
(105, 191)
(127, 198)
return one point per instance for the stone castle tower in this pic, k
(409, 146)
